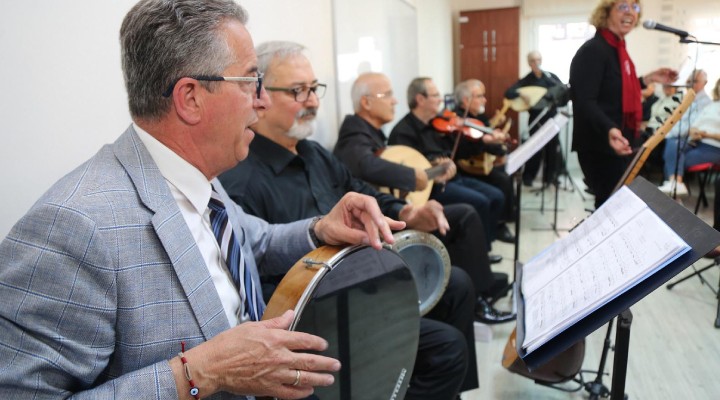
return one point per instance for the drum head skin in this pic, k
(365, 306)
(429, 263)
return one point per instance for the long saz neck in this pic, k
(634, 168)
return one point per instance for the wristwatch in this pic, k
(311, 231)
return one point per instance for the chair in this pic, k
(704, 171)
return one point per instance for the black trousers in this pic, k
(446, 363)
(501, 180)
(602, 173)
(466, 245)
(549, 156)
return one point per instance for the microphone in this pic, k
(650, 24)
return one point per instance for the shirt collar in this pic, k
(271, 153)
(177, 171)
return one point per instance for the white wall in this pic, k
(64, 94)
(435, 44)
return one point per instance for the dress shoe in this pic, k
(485, 313)
(503, 234)
(499, 287)
(494, 258)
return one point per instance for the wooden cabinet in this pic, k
(489, 46)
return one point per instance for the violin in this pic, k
(449, 122)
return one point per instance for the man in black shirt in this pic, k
(416, 131)
(361, 139)
(470, 102)
(551, 151)
(286, 177)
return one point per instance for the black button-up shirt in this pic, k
(281, 187)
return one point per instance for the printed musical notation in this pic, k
(622, 243)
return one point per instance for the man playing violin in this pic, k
(361, 140)
(416, 131)
(470, 100)
(289, 178)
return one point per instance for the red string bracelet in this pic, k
(194, 391)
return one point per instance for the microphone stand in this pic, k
(694, 40)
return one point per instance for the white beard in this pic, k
(301, 130)
(481, 110)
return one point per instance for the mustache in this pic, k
(307, 112)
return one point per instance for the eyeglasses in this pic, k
(212, 78)
(625, 7)
(301, 93)
(387, 94)
(433, 95)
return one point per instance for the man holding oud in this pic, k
(117, 268)
(287, 178)
(415, 130)
(361, 140)
(539, 113)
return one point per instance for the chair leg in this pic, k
(703, 177)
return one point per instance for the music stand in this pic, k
(699, 236)
(537, 143)
(515, 163)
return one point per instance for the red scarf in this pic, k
(631, 95)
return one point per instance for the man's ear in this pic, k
(365, 103)
(188, 100)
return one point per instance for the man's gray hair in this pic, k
(463, 90)
(277, 49)
(417, 86)
(162, 41)
(361, 88)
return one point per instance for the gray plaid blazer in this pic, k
(101, 280)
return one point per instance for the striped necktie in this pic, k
(233, 256)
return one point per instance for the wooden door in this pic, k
(489, 51)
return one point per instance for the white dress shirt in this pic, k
(191, 190)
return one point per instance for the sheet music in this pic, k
(537, 141)
(623, 242)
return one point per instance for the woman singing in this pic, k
(606, 94)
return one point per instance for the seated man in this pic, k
(361, 139)
(287, 177)
(470, 99)
(415, 130)
(117, 266)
